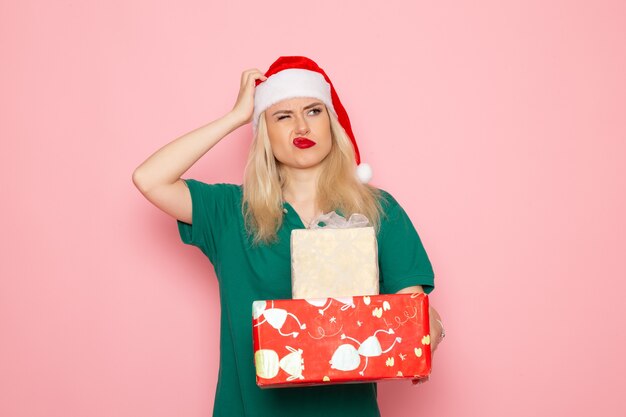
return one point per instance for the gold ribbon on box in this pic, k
(336, 257)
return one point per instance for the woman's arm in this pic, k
(158, 177)
(167, 164)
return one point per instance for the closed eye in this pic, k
(317, 111)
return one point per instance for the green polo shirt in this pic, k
(246, 273)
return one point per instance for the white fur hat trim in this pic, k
(290, 83)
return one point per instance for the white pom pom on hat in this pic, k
(364, 172)
(299, 76)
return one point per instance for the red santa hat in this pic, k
(298, 76)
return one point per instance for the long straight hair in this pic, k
(338, 188)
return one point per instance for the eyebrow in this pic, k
(306, 107)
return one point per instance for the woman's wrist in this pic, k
(236, 118)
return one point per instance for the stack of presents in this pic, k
(337, 328)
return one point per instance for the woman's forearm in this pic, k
(167, 164)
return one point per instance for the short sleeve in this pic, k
(213, 206)
(402, 259)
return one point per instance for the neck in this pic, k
(301, 184)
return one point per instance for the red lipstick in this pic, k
(303, 143)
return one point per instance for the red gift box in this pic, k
(303, 342)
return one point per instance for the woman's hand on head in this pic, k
(244, 106)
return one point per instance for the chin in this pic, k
(303, 161)
(305, 165)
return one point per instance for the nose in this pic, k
(301, 125)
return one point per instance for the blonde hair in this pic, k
(337, 189)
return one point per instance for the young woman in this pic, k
(302, 163)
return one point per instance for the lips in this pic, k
(303, 143)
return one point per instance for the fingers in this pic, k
(250, 75)
(244, 105)
(251, 70)
(245, 74)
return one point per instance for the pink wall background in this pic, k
(500, 126)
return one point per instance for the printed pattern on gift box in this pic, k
(334, 262)
(340, 340)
